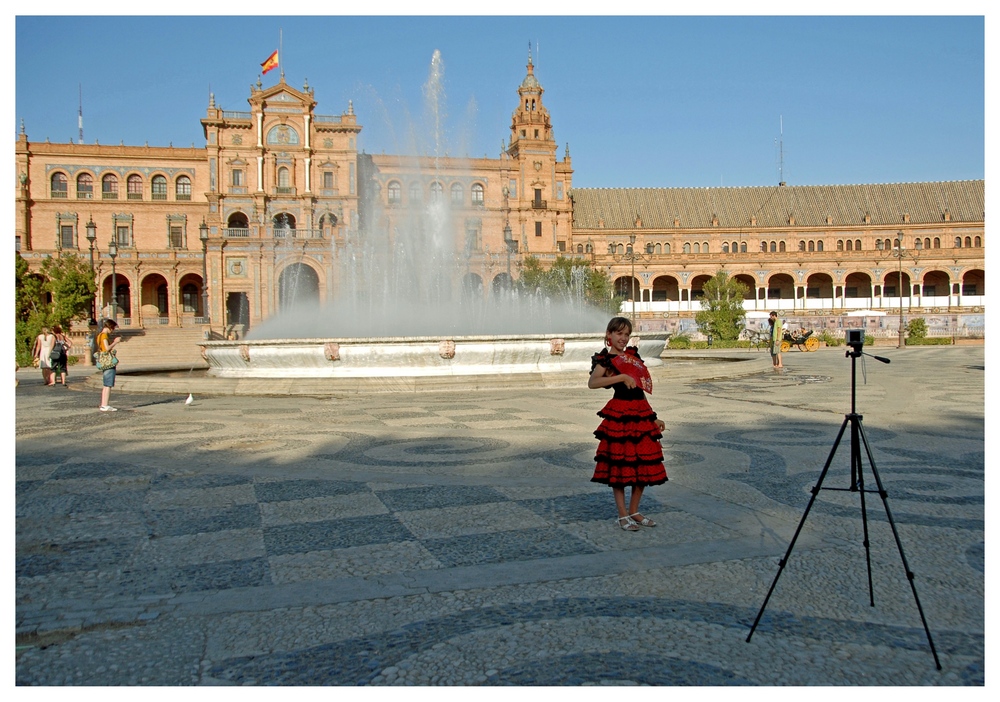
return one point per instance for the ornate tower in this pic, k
(539, 184)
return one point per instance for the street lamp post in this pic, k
(113, 253)
(509, 243)
(203, 235)
(899, 252)
(631, 256)
(92, 237)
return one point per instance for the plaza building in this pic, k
(224, 235)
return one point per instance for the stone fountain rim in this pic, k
(422, 339)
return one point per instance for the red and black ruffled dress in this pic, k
(629, 452)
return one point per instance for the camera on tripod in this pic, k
(855, 338)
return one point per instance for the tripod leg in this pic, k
(899, 544)
(815, 491)
(860, 484)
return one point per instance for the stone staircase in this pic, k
(161, 348)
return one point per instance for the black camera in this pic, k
(855, 338)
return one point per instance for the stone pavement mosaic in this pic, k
(455, 538)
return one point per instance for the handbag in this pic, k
(106, 360)
(58, 351)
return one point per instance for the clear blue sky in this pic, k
(642, 101)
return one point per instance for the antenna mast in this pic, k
(781, 150)
(80, 114)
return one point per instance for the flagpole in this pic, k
(281, 62)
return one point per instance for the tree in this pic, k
(722, 310)
(63, 292)
(72, 285)
(570, 279)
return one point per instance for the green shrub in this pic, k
(681, 341)
(916, 328)
(829, 339)
(928, 341)
(869, 340)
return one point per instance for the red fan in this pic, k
(629, 365)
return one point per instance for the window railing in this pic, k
(84, 195)
(61, 194)
(236, 232)
(183, 196)
(109, 195)
(282, 233)
(539, 204)
(159, 196)
(284, 190)
(134, 196)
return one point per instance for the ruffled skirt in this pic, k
(629, 450)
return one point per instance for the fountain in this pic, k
(408, 306)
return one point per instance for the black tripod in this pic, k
(857, 485)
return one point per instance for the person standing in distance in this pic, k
(777, 330)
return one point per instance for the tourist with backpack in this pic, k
(59, 356)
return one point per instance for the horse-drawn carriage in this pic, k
(804, 341)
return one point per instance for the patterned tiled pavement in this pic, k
(455, 539)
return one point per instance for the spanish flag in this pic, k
(272, 62)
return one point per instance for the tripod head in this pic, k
(855, 339)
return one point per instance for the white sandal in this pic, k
(645, 521)
(628, 524)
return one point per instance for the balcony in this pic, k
(282, 233)
(109, 195)
(284, 190)
(539, 204)
(59, 194)
(134, 196)
(84, 195)
(236, 232)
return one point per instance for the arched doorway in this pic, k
(666, 288)
(858, 285)
(298, 284)
(154, 299)
(190, 297)
(781, 286)
(123, 297)
(974, 283)
(698, 286)
(502, 284)
(935, 284)
(472, 287)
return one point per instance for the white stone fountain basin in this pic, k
(413, 356)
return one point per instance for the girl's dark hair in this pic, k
(110, 324)
(619, 323)
(56, 329)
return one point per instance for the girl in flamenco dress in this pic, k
(629, 450)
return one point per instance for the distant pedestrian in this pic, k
(629, 450)
(777, 330)
(106, 343)
(42, 352)
(59, 357)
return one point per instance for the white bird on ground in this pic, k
(189, 400)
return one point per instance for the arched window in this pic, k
(436, 190)
(725, 247)
(457, 194)
(395, 192)
(704, 247)
(416, 193)
(763, 247)
(927, 243)
(812, 246)
(589, 248)
(477, 195)
(743, 247)
(109, 187)
(84, 186)
(937, 242)
(59, 186)
(774, 247)
(840, 245)
(134, 187)
(958, 242)
(159, 187)
(781, 246)
(886, 245)
(687, 248)
(697, 247)
(658, 249)
(284, 178)
(189, 297)
(183, 188)
(734, 247)
(819, 245)
(979, 242)
(857, 244)
(968, 241)
(802, 246)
